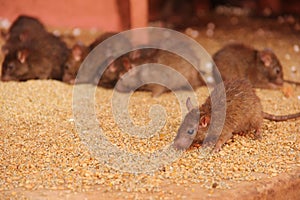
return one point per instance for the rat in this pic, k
(138, 76)
(40, 58)
(262, 68)
(79, 52)
(23, 29)
(243, 114)
(118, 65)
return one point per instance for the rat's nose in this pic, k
(182, 143)
(279, 81)
(5, 78)
(72, 81)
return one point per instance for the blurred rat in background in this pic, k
(242, 110)
(32, 53)
(137, 76)
(261, 68)
(23, 29)
(79, 52)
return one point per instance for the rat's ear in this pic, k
(22, 55)
(77, 51)
(126, 63)
(189, 104)
(112, 67)
(4, 35)
(204, 121)
(266, 57)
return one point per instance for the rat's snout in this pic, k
(276, 84)
(182, 143)
(67, 78)
(72, 81)
(6, 78)
(279, 81)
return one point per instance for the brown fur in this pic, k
(161, 57)
(39, 58)
(79, 52)
(77, 55)
(23, 29)
(262, 68)
(243, 114)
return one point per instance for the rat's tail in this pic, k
(292, 82)
(281, 117)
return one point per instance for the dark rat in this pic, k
(262, 68)
(243, 114)
(23, 29)
(40, 58)
(112, 73)
(79, 53)
(137, 76)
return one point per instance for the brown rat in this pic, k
(112, 73)
(79, 52)
(39, 58)
(137, 76)
(23, 29)
(262, 68)
(243, 114)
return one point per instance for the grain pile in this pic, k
(40, 147)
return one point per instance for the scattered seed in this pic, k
(76, 31)
(296, 48)
(5, 23)
(214, 185)
(294, 69)
(56, 33)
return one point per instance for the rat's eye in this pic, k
(277, 70)
(10, 66)
(190, 131)
(67, 66)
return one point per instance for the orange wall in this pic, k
(101, 14)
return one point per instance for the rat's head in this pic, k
(72, 65)
(271, 67)
(116, 68)
(188, 129)
(15, 66)
(129, 81)
(132, 76)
